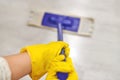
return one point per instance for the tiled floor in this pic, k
(95, 58)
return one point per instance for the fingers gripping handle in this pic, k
(61, 75)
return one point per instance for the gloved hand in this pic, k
(58, 65)
(41, 56)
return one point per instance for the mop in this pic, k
(84, 28)
(73, 25)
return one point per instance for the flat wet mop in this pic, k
(73, 25)
(83, 28)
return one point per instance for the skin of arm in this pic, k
(20, 65)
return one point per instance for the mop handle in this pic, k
(61, 75)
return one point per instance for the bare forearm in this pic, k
(20, 65)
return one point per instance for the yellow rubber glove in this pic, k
(58, 65)
(41, 55)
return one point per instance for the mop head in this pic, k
(82, 26)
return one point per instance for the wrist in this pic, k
(20, 65)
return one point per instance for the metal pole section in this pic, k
(60, 32)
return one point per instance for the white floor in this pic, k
(95, 58)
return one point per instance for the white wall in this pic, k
(95, 58)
